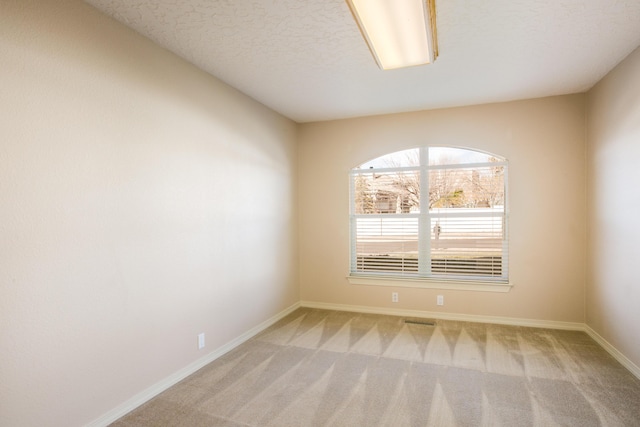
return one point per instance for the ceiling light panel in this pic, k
(398, 32)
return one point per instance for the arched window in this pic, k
(430, 212)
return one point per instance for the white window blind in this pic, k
(456, 229)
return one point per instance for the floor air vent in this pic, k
(420, 322)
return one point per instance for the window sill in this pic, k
(459, 285)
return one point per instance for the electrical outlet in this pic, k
(440, 300)
(394, 297)
(201, 341)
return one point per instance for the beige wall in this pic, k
(543, 139)
(142, 202)
(135, 188)
(613, 285)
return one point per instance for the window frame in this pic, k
(424, 278)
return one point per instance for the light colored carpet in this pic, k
(330, 368)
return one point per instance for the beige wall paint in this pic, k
(613, 152)
(543, 139)
(142, 202)
(134, 188)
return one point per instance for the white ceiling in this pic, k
(307, 59)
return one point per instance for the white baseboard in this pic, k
(624, 361)
(173, 379)
(550, 324)
(514, 321)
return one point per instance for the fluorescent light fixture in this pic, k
(400, 33)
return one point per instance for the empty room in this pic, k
(271, 213)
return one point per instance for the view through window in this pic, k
(430, 212)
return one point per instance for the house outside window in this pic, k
(430, 213)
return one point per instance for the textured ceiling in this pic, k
(307, 59)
